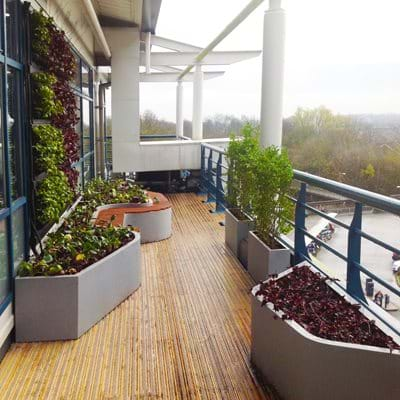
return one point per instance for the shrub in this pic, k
(78, 243)
(45, 104)
(53, 196)
(41, 37)
(48, 146)
(271, 176)
(240, 155)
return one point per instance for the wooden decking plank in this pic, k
(185, 334)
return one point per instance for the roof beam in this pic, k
(164, 68)
(214, 58)
(172, 76)
(198, 59)
(173, 44)
(106, 21)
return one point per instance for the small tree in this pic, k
(272, 176)
(240, 155)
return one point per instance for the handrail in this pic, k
(375, 200)
(213, 159)
(217, 149)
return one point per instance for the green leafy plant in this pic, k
(53, 196)
(271, 180)
(45, 104)
(114, 192)
(240, 155)
(48, 147)
(78, 243)
(41, 35)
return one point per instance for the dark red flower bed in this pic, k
(304, 296)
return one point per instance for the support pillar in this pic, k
(148, 52)
(197, 118)
(179, 109)
(272, 75)
(125, 62)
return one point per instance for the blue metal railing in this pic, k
(214, 175)
(213, 184)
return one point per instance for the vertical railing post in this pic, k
(354, 286)
(300, 249)
(209, 177)
(203, 181)
(219, 197)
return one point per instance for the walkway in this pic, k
(185, 334)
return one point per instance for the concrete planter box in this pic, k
(65, 307)
(264, 261)
(302, 366)
(154, 225)
(235, 231)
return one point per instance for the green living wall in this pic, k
(55, 143)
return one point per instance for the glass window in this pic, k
(86, 125)
(18, 236)
(2, 166)
(88, 165)
(4, 276)
(78, 167)
(14, 132)
(77, 77)
(13, 48)
(85, 80)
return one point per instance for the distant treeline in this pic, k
(361, 150)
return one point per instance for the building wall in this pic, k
(71, 17)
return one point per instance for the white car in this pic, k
(396, 266)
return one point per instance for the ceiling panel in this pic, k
(124, 10)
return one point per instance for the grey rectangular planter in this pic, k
(302, 366)
(65, 307)
(264, 261)
(235, 231)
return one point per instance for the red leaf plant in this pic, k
(305, 297)
(61, 59)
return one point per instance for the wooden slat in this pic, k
(185, 334)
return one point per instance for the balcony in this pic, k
(184, 334)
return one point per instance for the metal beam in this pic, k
(173, 44)
(164, 68)
(96, 28)
(172, 76)
(214, 58)
(225, 32)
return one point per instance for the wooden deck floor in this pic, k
(185, 334)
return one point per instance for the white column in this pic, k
(124, 43)
(179, 109)
(272, 75)
(148, 52)
(197, 117)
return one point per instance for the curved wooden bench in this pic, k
(154, 221)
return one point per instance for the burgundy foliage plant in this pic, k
(61, 59)
(305, 297)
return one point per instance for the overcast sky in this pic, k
(343, 54)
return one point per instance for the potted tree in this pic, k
(313, 341)
(272, 176)
(238, 220)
